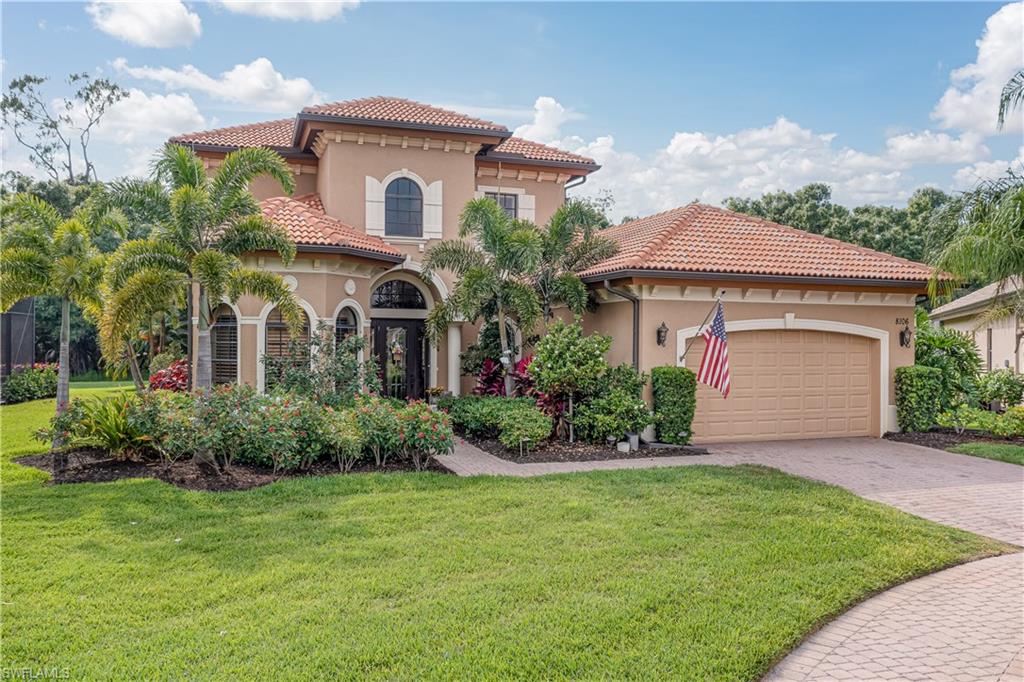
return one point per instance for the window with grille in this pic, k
(403, 209)
(346, 325)
(224, 346)
(278, 343)
(397, 293)
(508, 202)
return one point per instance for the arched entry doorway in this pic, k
(398, 310)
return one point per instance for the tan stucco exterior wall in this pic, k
(1004, 340)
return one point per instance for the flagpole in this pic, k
(714, 307)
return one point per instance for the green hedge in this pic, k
(675, 398)
(918, 392)
(492, 416)
(29, 383)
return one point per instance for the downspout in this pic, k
(635, 300)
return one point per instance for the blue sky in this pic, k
(677, 101)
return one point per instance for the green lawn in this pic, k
(1014, 454)
(691, 573)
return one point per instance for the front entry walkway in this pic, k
(964, 623)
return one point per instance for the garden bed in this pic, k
(564, 451)
(942, 438)
(95, 466)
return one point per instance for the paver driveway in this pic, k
(965, 623)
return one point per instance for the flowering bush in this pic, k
(167, 419)
(225, 414)
(378, 420)
(424, 433)
(174, 378)
(29, 382)
(343, 439)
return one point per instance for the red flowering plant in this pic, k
(424, 433)
(174, 378)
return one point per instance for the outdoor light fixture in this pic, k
(906, 336)
(662, 334)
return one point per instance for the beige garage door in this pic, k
(790, 384)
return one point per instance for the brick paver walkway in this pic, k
(965, 623)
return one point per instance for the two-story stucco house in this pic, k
(814, 323)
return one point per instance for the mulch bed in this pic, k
(564, 451)
(945, 438)
(94, 466)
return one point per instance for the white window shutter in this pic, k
(527, 207)
(432, 215)
(374, 206)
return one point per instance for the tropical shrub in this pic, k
(167, 419)
(105, 423)
(31, 382)
(491, 379)
(954, 353)
(568, 366)
(675, 399)
(173, 378)
(963, 417)
(343, 439)
(522, 426)
(1002, 385)
(224, 417)
(623, 378)
(918, 392)
(481, 416)
(378, 420)
(165, 359)
(424, 433)
(612, 415)
(325, 371)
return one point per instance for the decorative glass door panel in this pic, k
(400, 348)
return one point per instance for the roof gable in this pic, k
(976, 300)
(706, 239)
(307, 225)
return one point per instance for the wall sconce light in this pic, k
(906, 336)
(662, 334)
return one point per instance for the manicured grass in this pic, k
(692, 573)
(1014, 454)
(101, 384)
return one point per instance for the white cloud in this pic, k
(929, 147)
(290, 10)
(258, 85)
(972, 99)
(157, 23)
(968, 176)
(141, 118)
(548, 118)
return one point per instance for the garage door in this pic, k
(790, 384)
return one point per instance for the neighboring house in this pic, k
(996, 340)
(814, 324)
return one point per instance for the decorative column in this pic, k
(454, 368)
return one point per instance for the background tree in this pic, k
(54, 130)
(495, 268)
(570, 243)
(43, 254)
(201, 226)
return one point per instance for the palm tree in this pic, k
(571, 243)
(44, 254)
(201, 225)
(495, 267)
(1011, 97)
(987, 244)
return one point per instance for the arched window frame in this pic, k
(403, 208)
(346, 323)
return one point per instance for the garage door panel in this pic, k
(790, 384)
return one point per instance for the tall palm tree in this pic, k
(201, 226)
(987, 245)
(44, 254)
(571, 243)
(1011, 97)
(495, 260)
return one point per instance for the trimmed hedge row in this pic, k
(29, 383)
(675, 398)
(513, 421)
(918, 394)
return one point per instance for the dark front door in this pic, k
(401, 350)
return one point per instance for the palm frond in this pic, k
(142, 294)
(520, 251)
(178, 166)
(24, 272)
(569, 289)
(520, 300)
(439, 318)
(25, 236)
(270, 287)
(137, 255)
(212, 269)
(456, 256)
(71, 239)
(30, 209)
(1011, 97)
(256, 233)
(486, 221)
(230, 184)
(147, 199)
(191, 210)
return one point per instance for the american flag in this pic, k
(714, 366)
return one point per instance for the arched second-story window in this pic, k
(403, 209)
(224, 345)
(278, 342)
(346, 324)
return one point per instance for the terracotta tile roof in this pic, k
(706, 239)
(313, 201)
(977, 299)
(517, 146)
(312, 227)
(264, 134)
(397, 110)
